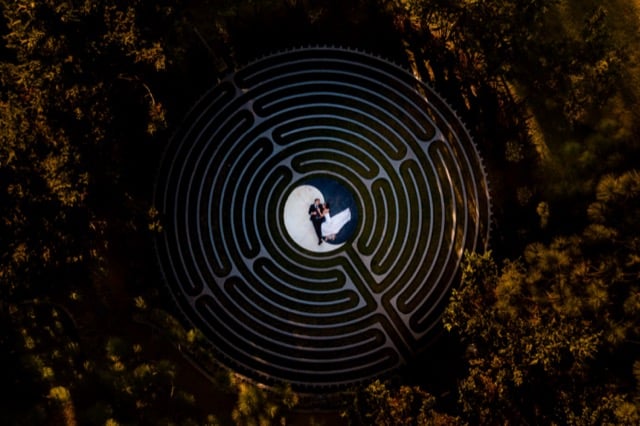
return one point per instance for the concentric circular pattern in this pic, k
(272, 309)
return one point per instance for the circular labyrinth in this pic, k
(234, 190)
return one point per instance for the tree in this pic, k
(76, 84)
(381, 403)
(552, 337)
(257, 406)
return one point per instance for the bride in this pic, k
(333, 224)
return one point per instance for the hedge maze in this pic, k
(275, 311)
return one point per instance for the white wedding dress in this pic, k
(333, 224)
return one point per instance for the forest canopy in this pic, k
(545, 325)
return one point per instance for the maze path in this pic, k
(272, 309)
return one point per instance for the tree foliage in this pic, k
(257, 406)
(382, 403)
(543, 331)
(65, 70)
(75, 87)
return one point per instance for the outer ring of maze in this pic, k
(277, 313)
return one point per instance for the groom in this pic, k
(315, 214)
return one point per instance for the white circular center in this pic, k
(298, 223)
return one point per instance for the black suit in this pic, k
(316, 219)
